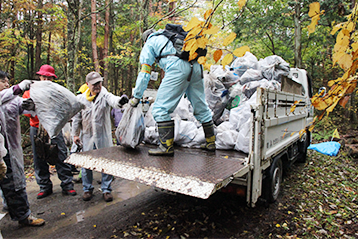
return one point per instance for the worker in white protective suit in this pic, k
(14, 183)
(178, 79)
(94, 121)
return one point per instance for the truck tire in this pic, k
(302, 147)
(273, 180)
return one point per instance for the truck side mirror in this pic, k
(322, 91)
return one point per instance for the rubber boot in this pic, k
(209, 136)
(166, 138)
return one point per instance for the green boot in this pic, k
(166, 138)
(209, 136)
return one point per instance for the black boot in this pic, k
(166, 138)
(209, 136)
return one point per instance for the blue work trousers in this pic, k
(87, 178)
(175, 83)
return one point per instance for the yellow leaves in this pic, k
(354, 46)
(345, 61)
(227, 59)
(336, 28)
(210, 31)
(208, 13)
(312, 27)
(192, 56)
(241, 3)
(194, 22)
(293, 107)
(217, 55)
(202, 60)
(314, 9)
(350, 26)
(229, 39)
(202, 42)
(314, 13)
(239, 52)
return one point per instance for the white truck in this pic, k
(279, 137)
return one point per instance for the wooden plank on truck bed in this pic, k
(192, 172)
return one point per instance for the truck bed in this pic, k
(192, 172)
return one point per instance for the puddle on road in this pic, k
(121, 192)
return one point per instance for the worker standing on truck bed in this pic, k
(180, 77)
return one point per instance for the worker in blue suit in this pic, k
(178, 79)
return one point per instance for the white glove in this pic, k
(3, 150)
(134, 102)
(25, 85)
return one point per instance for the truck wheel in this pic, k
(272, 183)
(302, 147)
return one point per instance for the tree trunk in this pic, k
(94, 35)
(49, 49)
(298, 32)
(73, 28)
(105, 48)
(38, 62)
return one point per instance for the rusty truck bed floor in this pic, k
(193, 172)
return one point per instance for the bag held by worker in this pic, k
(131, 128)
(45, 150)
(55, 105)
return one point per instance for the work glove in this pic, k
(122, 101)
(25, 85)
(3, 150)
(3, 169)
(134, 102)
(28, 104)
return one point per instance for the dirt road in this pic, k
(138, 211)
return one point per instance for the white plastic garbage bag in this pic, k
(184, 131)
(55, 105)
(239, 115)
(131, 128)
(197, 141)
(274, 67)
(241, 64)
(151, 135)
(149, 119)
(243, 138)
(226, 136)
(229, 78)
(183, 109)
(215, 95)
(250, 75)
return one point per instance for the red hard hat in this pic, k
(46, 70)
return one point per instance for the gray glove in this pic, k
(28, 104)
(25, 85)
(122, 101)
(134, 102)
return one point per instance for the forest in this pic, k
(79, 36)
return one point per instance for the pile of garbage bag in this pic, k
(230, 93)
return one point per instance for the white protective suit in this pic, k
(94, 121)
(10, 110)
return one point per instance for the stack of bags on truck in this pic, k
(229, 92)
